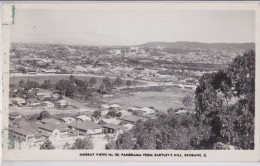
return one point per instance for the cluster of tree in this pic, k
(168, 131)
(73, 87)
(225, 113)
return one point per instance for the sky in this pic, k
(131, 27)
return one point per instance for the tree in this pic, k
(128, 83)
(85, 143)
(111, 145)
(47, 145)
(97, 114)
(125, 141)
(118, 82)
(92, 81)
(46, 84)
(21, 83)
(187, 101)
(44, 114)
(134, 82)
(107, 84)
(22, 70)
(225, 102)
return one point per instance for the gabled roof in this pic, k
(53, 126)
(110, 120)
(114, 106)
(50, 120)
(85, 125)
(83, 117)
(114, 126)
(132, 118)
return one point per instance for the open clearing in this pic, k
(161, 98)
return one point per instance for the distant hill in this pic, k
(198, 45)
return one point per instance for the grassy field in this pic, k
(161, 98)
(56, 78)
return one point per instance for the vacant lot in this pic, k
(161, 98)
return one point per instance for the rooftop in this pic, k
(132, 118)
(85, 125)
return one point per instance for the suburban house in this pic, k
(14, 115)
(128, 126)
(148, 116)
(48, 104)
(43, 94)
(104, 111)
(50, 120)
(125, 113)
(67, 120)
(104, 106)
(109, 120)
(147, 110)
(86, 127)
(62, 103)
(18, 101)
(115, 106)
(56, 130)
(28, 134)
(132, 119)
(82, 118)
(113, 128)
(33, 102)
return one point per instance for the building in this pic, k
(56, 130)
(125, 113)
(85, 128)
(14, 115)
(18, 101)
(132, 119)
(82, 118)
(113, 128)
(67, 120)
(147, 110)
(104, 106)
(128, 126)
(109, 121)
(148, 116)
(62, 103)
(48, 104)
(50, 120)
(28, 134)
(115, 106)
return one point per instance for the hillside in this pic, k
(198, 45)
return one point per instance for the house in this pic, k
(115, 106)
(50, 120)
(128, 126)
(56, 130)
(104, 112)
(43, 94)
(113, 128)
(67, 120)
(104, 106)
(20, 122)
(82, 118)
(14, 115)
(125, 113)
(62, 103)
(26, 134)
(109, 121)
(86, 127)
(48, 104)
(34, 72)
(148, 116)
(33, 102)
(147, 110)
(132, 119)
(18, 101)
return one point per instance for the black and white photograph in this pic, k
(137, 78)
